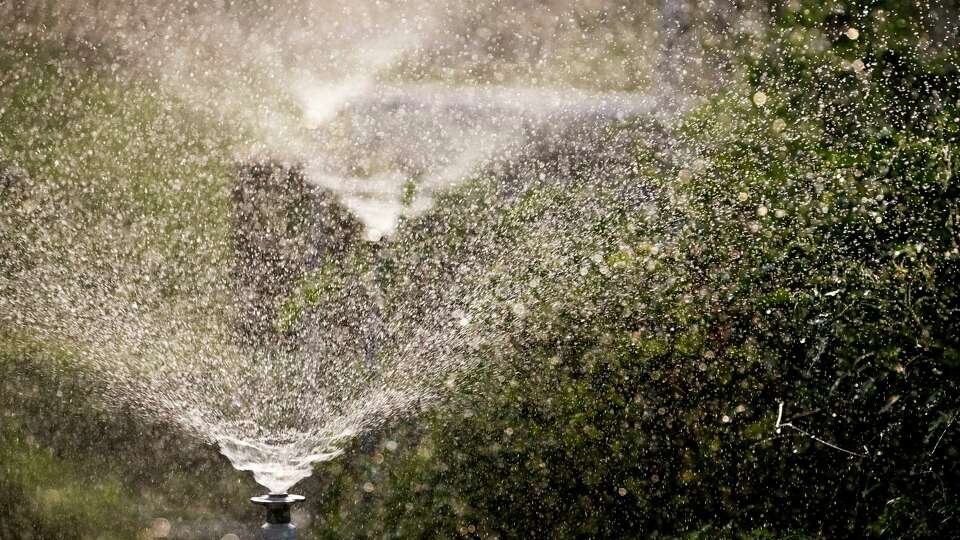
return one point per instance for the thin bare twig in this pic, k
(781, 424)
(950, 423)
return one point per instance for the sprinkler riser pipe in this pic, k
(278, 516)
(278, 531)
(278, 526)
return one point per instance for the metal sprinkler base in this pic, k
(278, 526)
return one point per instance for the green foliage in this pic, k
(110, 172)
(142, 179)
(804, 252)
(799, 249)
(71, 469)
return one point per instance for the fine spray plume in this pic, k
(371, 109)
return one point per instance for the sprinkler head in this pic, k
(278, 526)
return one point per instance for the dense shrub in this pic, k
(801, 252)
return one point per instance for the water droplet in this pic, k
(160, 528)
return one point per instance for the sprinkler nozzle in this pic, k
(278, 526)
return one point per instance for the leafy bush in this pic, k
(801, 257)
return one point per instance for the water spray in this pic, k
(278, 526)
